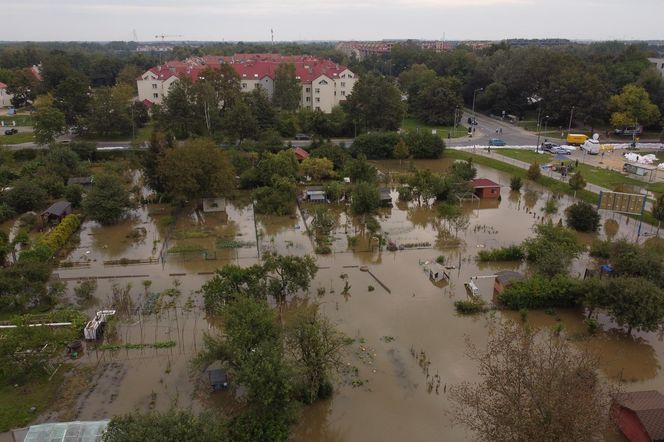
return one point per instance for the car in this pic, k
(560, 150)
(496, 142)
(472, 121)
(547, 146)
(11, 131)
(302, 137)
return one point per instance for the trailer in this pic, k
(95, 327)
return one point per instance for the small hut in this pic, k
(56, 212)
(218, 376)
(211, 205)
(437, 273)
(385, 195)
(485, 188)
(504, 279)
(300, 154)
(639, 415)
(315, 194)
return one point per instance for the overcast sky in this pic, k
(249, 20)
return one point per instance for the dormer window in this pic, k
(322, 82)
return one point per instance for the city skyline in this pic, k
(253, 20)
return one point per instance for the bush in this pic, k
(424, 144)
(6, 212)
(541, 292)
(534, 173)
(509, 253)
(469, 307)
(25, 196)
(441, 259)
(582, 217)
(405, 193)
(74, 194)
(601, 249)
(277, 200)
(58, 237)
(376, 146)
(551, 206)
(516, 183)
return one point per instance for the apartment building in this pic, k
(325, 84)
(659, 64)
(5, 98)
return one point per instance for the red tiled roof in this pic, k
(649, 407)
(484, 182)
(148, 103)
(250, 66)
(301, 153)
(2, 85)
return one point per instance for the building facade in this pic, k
(325, 84)
(5, 98)
(659, 64)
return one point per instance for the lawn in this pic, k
(529, 156)
(21, 137)
(21, 120)
(411, 124)
(15, 402)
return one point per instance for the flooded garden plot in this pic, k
(408, 341)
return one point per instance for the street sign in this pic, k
(629, 203)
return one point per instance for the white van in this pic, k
(591, 146)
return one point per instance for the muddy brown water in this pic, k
(392, 398)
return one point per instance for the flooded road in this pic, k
(408, 341)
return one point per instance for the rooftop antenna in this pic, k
(272, 34)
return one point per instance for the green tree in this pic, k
(240, 122)
(23, 87)
(437, 101)
(633, 106)
(25, 195)
(128, 75)
(375, 146)
(261, 108)
(278, 199)
(552, 249)
(317, 168)
(516, 183)
(74, 194)
(337, 154)
(179, 110)
(583, 217)
(401, 151)
(196, 170)
(658, 211)
(159, 143)
(365, 198)
(375, 104)
(636, 303)
(424, 144)
(287, 90)
(62, 161)
(72, 97)
(528, 389)
(109, 111)
(577, 182)
(534, 173)
(49, 123)
(359, 170)
(287, 275)
(274, 165)
(108, 200)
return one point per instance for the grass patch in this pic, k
(187, 248)
(21, 137)
(15, 402)
(21, 120)
(411, 124)
(529, 156)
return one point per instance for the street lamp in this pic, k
(571, 115)
(455, 119)
(474, 93)
(539, 126)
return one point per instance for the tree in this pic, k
(240, 122)
(365, 198)
(552, 249)
(196, 170)
(159, 143)
(261, 108)
(633, 106)
(317, 168)
(532, 386)
(108, 200)
(62, 161)
(424, 144)
(315, 345)
(375, 104)
(437, 102)
(658, 211)
(375, 146)
(25, 195)
(179, 115)
(74, 194)
(72, 97)
(49, 123)
(583, 217)
(275, 165)
(577, 182)
(401, 151)
(109, 111)
(636, 303)
(359, 170)
(515, 183)
(337, 154)
(288, 274)
(287, 90)
(128, 75)
(534, 173)
(23, 87)
(171, 425)
(277, 199)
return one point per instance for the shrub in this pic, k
(376, 146)
(516, 183)
(469, 307)
(509, 253)
(551, 206)
(424, 144)
(6, 212)
(541, 292)
(405, 193)
(583, 217)
(601, 249)
(534, 173)
(57, 238)
(441, 259)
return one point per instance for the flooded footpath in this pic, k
(409, 343)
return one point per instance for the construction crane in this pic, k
(163, 36)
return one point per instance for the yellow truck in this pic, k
(576, 139)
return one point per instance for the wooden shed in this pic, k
(504, 279)
(300, 154)
(315, 194)
(485, 188)
(56, 212)
(639, 415)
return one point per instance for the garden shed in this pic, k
(218, 376)
(639, 415)
(214, 205)
(315, 194)
(485, 188)
(56, 212)
(437, 273)
(300, 154)
(385, 194)
(504, 279)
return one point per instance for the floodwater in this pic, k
(409, 343)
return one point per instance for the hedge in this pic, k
(540, 292)
(58, 237)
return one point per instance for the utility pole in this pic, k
(571, 115)
(539, 119)
(474, 93)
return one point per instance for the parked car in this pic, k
(496, 142)
(11, 131)
(560, 150)
(547, 146)
(302, 137)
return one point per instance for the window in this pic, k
(244, 85)
(317, 100)
(343, 83)
(256, 86)
(308, 89)
(322, 82)
(308, 99)
(350, 75)
(335, 93)
(317, 107)
(155, 95)
(317, 90)
(154, 85)
(343, 93)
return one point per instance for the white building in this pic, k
(659, 64)
(325, 84)
(5, 98)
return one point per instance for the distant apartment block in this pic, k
(325, 84)
(363, 49)
(154, 48)
(659, 64)
(5, 98)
